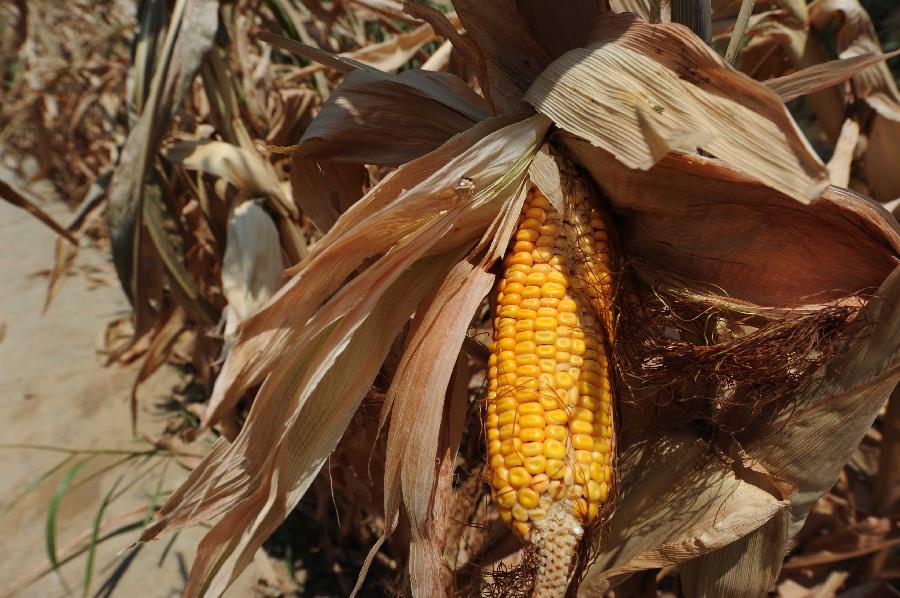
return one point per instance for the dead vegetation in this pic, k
(305, 202)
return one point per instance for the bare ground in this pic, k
(54, 391)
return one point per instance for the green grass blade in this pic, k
(37, 482)
(52, 512)
(95, 535)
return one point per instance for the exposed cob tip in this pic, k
(549, 420)
(557, 537)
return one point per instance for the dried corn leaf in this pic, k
(19, 198)
(312, 194)
(844, 152)
(169, 329)
(418, 394)
(183, 283)
(372, 120)
(320, 367)
(856, 37)
(519, 39)
(393, 53)
(431, 87)
(416, 415)
(297, 420)
(388, 8)
(809, 445)
(879, 163)
(427, 571)
(875, 85)
(679, 501)
(402, 203)
(748, 567)
(252, 264)
(640, 91)
(822, 76)
(242, 168)
(192, 26)
(646, 9)
(713, 228)
(887, 485)
(462, 44)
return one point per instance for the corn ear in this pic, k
(549, 420)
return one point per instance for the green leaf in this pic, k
(95, 536)
(52, 512)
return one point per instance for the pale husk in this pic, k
(316, 372)
(640, 91)
(251, 266)
(875, 85)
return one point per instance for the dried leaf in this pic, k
(179, 61)
(312, 194)
(392, 53)
(640, 90)
(748, 567)
(679, 501)
(822, 76)
(462, 44)
(875, 85)
(402, 203)
(714, 228)
(844, 152)
(415, 415)
(809, 445)
(544, 173)
(170, 328)
(296, 422)
(252, 264)
(170, 258)
(418, 394)
(880, 160)
(887, 485)
(642, 8)
(19, 198)
(512, 55)
(428, 86)
(517, 41)
(427, 568)
(372, 120)
(244, 169)
(63, 257)
(388, 8)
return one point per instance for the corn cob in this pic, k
(549, 420)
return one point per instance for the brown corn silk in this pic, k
(549, 420)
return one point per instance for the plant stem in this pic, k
(695, 14)
(740, 27)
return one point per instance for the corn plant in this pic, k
(569, 296)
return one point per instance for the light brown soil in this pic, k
(55, 391)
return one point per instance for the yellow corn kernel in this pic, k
(507, 497)
(540, 483)
(557, 416)
(519, 477)
(556, 469)
(531, 449)
(579, 426)
(519, 512)
(529, 499)
(536, 465)
(556, 432)
(549, 416)
(582, 441)
(529, 435)
(554, 449)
